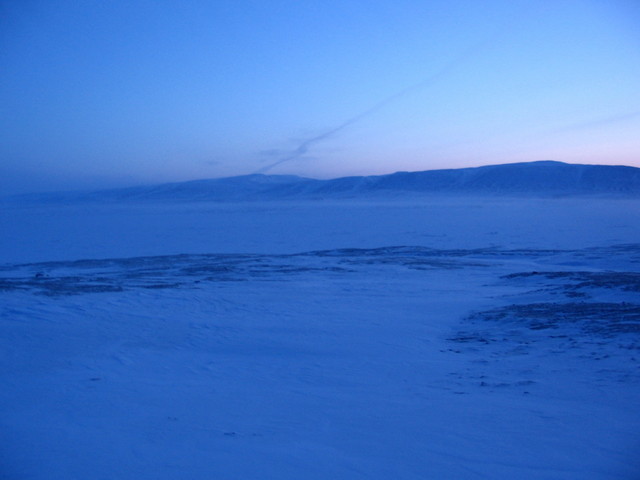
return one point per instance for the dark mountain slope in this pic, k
(540, 179)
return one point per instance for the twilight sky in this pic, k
(106, 93)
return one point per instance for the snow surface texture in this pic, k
(444, 339)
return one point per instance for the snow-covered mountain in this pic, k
(542, 178)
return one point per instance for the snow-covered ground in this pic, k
(443, 338)
(69, 232)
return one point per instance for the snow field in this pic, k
(331, 364)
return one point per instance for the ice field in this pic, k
(444, 338)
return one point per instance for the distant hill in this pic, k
(539, 179)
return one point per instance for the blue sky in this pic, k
(108, 93)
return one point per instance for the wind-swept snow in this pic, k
(449, 339)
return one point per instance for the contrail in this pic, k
(305, 145)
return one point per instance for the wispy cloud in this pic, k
(305, 145)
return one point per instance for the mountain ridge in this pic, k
(546, 178)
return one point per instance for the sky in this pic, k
(109, 93)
